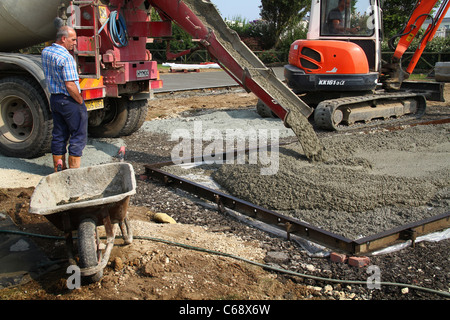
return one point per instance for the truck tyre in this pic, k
(88, 249)
(136, 114)
(25, 120)
(114, 119)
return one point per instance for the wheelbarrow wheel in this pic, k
(88, 248)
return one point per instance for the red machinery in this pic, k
(118, 74)
(420, 13)
(338, 69)
(202, 21)
(127, 69)
(116, 70)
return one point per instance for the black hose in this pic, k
(265, 266)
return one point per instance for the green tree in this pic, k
(281, 16)
(180, 40)
(395, 15)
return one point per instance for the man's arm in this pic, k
(337, 26)
(73, 91)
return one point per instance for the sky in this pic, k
(247, 9)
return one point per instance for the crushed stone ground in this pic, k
(151, 270)
(386, 177)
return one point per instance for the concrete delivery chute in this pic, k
(202, 21)
(118, 80)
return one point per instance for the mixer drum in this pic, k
(24, 23)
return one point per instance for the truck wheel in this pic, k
(25, 120)
(114, 117)
(136, 114)
(88, 249)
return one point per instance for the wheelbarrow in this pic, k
(81, 200)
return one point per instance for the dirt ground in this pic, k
(149, 269)
(152, 270)
(167, 106)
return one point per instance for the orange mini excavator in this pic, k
(338, 69)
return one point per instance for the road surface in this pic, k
(201, 80)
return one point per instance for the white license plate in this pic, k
(94, 104)
(142, 73)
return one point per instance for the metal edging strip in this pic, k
(294, 226)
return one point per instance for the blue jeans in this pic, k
(70, 123)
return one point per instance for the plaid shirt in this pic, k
(59, 67)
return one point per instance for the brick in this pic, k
(359, 261)
(338, 257)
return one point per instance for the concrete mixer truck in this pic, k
(116, 78)
(117, 72)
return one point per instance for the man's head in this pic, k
(66, 37)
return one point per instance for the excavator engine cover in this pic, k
(317, 65)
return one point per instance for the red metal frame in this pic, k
(429, 33)
(417, 18)
(119, 66)
(179, 12)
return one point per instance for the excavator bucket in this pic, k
(202, 21)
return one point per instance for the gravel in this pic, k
(424, 265)
(28, 172)
(246, 120)
(369, 183)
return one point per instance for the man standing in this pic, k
(68, 108)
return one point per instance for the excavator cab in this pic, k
(347, 18)
(342, 50)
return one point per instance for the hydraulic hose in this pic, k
(117, 29)
(265, 266)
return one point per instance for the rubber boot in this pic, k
(74, 162)
(64, 165)
(59, 162)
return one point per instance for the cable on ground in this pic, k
(265, 266)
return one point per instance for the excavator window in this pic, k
(347, 18)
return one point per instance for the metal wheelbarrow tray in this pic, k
(83, 199)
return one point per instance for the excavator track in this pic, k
(337, 114)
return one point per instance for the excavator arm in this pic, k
(202, 21)
(421, 12)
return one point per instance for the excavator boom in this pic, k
(429, 35)
(421, 12)
(202, 21)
